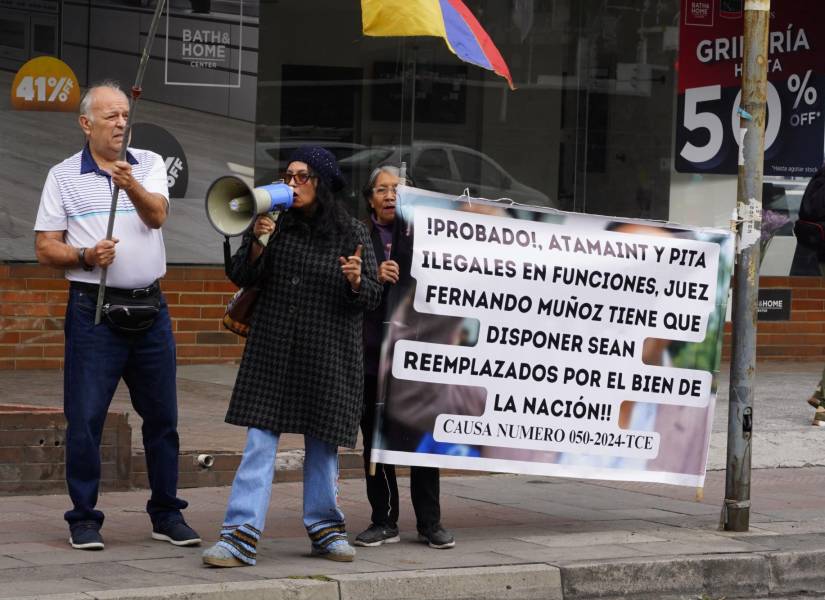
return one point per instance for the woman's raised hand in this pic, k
(351, 268)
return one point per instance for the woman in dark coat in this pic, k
(302, 368)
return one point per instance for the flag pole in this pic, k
(136, 91)
(412, 103)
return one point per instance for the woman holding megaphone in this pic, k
(302, 368)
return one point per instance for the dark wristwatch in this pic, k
(81, 255)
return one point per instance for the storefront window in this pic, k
(199, 88)
(588, 129)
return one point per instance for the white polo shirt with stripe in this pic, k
(76, 199)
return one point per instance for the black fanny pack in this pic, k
(128, 311)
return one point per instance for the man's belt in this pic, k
(92, 288)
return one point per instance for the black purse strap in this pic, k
(227, 256)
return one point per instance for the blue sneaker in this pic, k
(175, 532)
(85, 535)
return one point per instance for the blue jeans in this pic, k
(252, 488)
(96, 357)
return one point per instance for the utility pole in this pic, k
(736, 510)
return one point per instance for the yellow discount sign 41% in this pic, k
(45, 83)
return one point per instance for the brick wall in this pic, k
(33, 303)
(801, 338)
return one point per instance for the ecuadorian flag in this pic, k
(448, 19)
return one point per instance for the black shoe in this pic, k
(175, 532)
(437, 537)
(85, 535)
(375, 535)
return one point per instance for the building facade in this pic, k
(238, 84)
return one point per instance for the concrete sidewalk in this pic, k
(518, 536)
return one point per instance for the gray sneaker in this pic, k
(338, 551)
(218, 556)
(437, 537)
(375, 535)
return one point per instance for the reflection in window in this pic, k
(44, 39)
(433, 163)
(469, 167)
(477, 169)
(13, 33)
(579, 133)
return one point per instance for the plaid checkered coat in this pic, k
(302, 368)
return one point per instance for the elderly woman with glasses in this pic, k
(382, 489)
(302, 368)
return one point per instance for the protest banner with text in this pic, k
(535, 341)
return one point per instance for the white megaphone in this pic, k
(231, 205)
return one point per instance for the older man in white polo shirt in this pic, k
(71, 235)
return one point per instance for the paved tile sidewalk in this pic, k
(622, 536)
(503, 520)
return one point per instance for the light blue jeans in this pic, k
(252, 489)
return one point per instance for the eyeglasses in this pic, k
(300, 177)
(385, 190)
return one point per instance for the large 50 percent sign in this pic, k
(694, 119)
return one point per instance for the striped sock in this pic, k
(325, 533)
(241, 541)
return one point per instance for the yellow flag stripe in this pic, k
(402, 18)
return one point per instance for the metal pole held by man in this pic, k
(136, 91)
(736, 509)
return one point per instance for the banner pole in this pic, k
(136, 91)
(736, 508)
